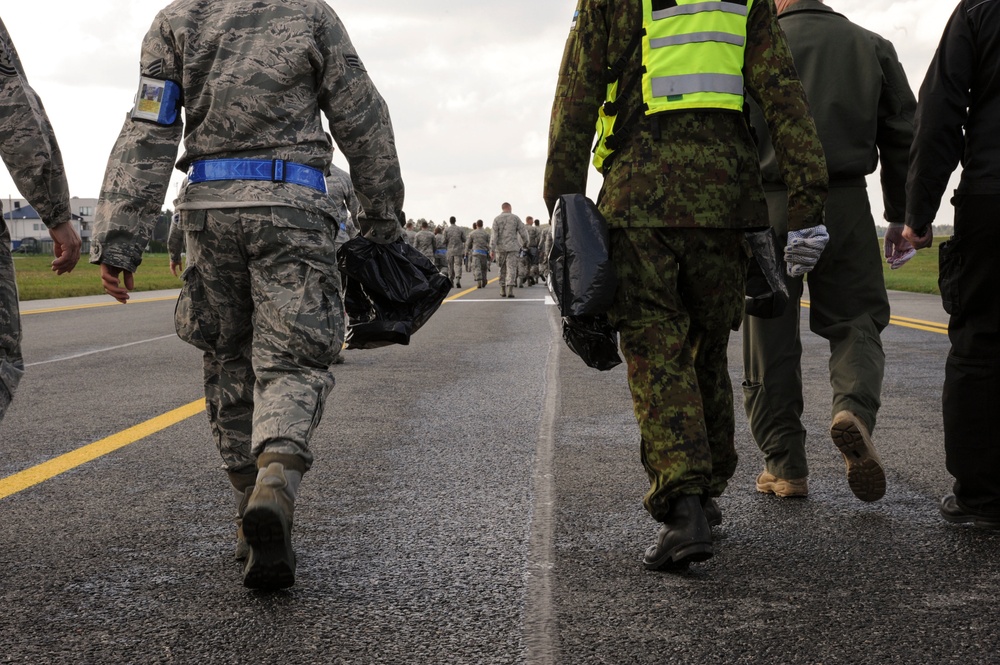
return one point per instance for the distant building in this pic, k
(24, 223)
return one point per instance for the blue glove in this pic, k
(803, 249)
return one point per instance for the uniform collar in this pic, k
(807, 6)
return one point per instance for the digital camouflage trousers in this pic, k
(680, 294)
(261, 300)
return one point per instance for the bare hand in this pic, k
(919, 241)
(175, 268)
(112, 286)
(66, 242)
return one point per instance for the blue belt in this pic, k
(440, 251)
(480, 252)
(274, 170)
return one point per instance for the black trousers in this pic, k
(969, 278)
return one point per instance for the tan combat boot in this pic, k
(769, 483)
(243, 484)
(865, 474)
(267, 524)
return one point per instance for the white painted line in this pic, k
(475, 300)
(90, 353)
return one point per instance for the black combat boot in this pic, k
(458, 283)
(683, 537)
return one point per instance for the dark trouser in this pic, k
(969, 278)
(11, 364)
(680, 293)
(848, 307)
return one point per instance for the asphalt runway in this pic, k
(475, 499)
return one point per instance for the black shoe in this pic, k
(510, 295)
(683, 537)
(952, 511)
(713, 514)
(458, 284)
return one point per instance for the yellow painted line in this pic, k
(113, 303)
(468, 291)
(915, 324)
(59, 465)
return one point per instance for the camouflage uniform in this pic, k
(506, 241)
(678, 195)
(341, 191)
(424, 243)
(528, 265)
(545, 248)
(29, 149)
(454, 237)
(440, 251)
(260, 295)
(477, 246)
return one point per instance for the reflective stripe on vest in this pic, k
(692, 52)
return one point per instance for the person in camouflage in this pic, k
(261, 291)
(527, 270)
(440, 251)
(175, 246)
(477, 247)
(341, 191)
(423, 242)
(454, 237)
(679, 192)
(506, 242)
(29, 149)
(544, 250)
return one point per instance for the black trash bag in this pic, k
(766, 291)
(582, 278)
(594, 339)
(390, 291)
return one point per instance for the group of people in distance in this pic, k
(520, 249)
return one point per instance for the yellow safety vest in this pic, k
(692, 53)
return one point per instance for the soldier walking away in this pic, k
(424, 241)
(341, 191)
(546, 248)
(681, 186)
(29, 149)
(477, 247)
(529, 255)
(506, 242)
(863, 109)
(260, 227)
(958, 121)
(454, 238)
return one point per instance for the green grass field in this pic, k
(36, 281)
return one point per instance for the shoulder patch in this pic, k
(354, 62)
(155, 68)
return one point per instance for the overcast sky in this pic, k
(469, 85)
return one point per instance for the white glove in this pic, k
(804, 248)
(898, 249)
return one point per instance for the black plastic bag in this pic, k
(390, 291)
(582, 277)
(582, 280)
(593, 339)
(766, 291)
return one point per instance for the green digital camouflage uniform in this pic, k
(506, 241)
(29, 149)
(260, 294)
(477, 246)
(863, 108)
(678, 196)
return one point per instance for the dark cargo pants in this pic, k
(848, 307)
(680, 294)
(969, 276)
(261, 299)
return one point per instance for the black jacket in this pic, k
(958, 114)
